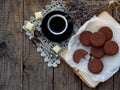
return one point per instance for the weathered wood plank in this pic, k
(11, 56)
(39, 79)
(11, 10)
(117, 81)
(37, 75)
(65, 79)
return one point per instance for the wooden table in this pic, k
(27, 68)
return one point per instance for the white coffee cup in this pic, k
(57, 24)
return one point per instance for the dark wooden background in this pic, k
(27, 70)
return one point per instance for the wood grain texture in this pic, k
(65, 79)
(117, 81)
(11, 55)
(11, 10)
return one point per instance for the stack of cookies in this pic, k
(100, 44)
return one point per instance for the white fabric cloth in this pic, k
(111, 63)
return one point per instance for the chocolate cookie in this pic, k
(85, 38)
(97, 39)
(95, 65)
(107, 31)
(97, 52)
(78, 54)
(111, 48)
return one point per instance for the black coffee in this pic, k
(57, 24)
